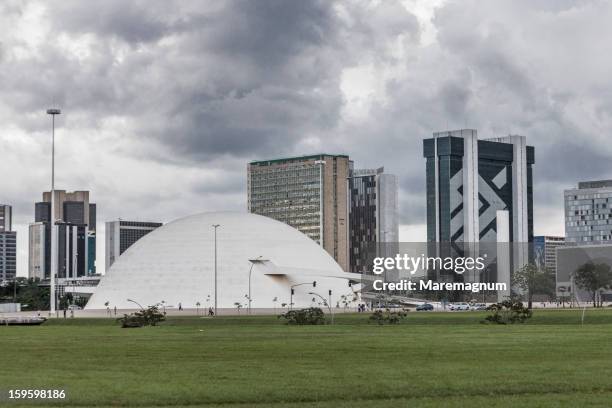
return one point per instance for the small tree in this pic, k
(593, 278)
(530, 279)
(145, 317)
(238, 306)
(198, 308)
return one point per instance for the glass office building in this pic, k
(75, 218)
(8, 245)
(373, 214)
(588, 213)
(307, 192)
(469, 181)
(545, 252)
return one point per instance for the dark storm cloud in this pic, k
(133, 22)
(244, 78)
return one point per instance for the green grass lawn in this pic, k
(430, 360)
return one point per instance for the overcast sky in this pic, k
(165, 102)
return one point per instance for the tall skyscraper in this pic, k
(373, 214)
(588, 213)
(309, 193)
(76, 228)
(120, 235)
(8, 245)
(545, 251)
(470, 181)
(39, 250)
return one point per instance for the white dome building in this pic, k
(175, 264)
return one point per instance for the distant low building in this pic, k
(120, 235)
(570, 259)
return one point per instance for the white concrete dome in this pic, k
(175, 264)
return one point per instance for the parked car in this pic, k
(424, 306)
(460, 306)
(479, 306)
(74, 307)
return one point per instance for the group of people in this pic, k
(361, 307)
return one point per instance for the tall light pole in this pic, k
(52, 297)
(253, 262)
(215, 226)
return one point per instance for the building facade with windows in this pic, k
(8, 245)
(120, 235)
(373, 214)
(75, 218)
(469, 181)
(588, 213)
(309, 193)
(6, 218)
(545, 251)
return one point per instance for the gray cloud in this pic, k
(165, 102)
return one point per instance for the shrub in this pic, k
(312, 315)
(508, 312)
(145, 317)
(387, 316)
(129, 321)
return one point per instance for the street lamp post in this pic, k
(253, 262)
(139, 305)
(325, 303)
(215, 226)
(52, 297)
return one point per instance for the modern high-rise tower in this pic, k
(470, 182)
(75, 218)
(309, 193)
(8, 245)
(373, 214)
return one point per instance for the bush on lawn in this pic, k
(312, 315)
(387, 316)
(146, 317)
(508, 312)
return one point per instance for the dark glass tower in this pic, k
(469, 181)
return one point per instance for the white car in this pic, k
(460, 306)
